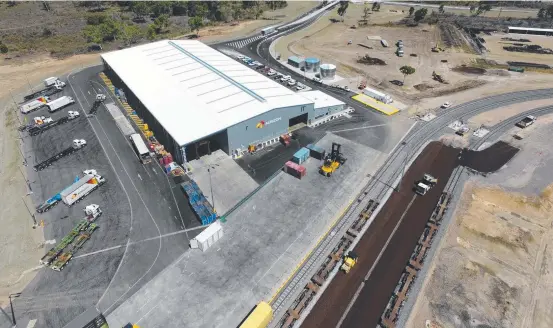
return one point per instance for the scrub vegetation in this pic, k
(67, 28)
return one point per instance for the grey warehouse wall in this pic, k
(319, 113)
(245, 133)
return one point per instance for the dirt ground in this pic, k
(329, 42)
(495, 45)
(494, 267)
(495, 116)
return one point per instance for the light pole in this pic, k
(14, 295)
(209, 167)
(28, 210)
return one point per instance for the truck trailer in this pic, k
(77, 144)
(33, 105)
(48, 124)
(81, 188)
(382, 97)
(48, 91)
(59, 103)
(52, 81)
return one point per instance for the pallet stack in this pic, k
(199, 203)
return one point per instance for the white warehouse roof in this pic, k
(321, 99)
(194, 90)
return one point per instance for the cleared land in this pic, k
(494, 266)
(495, 44)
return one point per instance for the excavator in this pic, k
(333, 160)
(349, 261)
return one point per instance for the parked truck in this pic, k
(76, 145)
(48, 91)
(33, 105)
(59, 103)
(387, 99)
(82, 187)
(48, 123)
(52, 81)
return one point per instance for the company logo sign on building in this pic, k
(261, 124)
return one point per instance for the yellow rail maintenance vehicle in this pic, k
(260, 317)
(350, 260)
(333, 160)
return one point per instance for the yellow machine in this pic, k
(332, 161)
(349, 262)
(260, 317)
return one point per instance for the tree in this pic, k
(472, 8)
(549, 11)
(3, 48)
(140, 9)
(161, 8)
(420, 14)
(151, 33)
(342, 9)
(406, 70)
(441, 10)
(131, 33)
(411, 11)
(366, 12)
(195, 23)
(483, 7)
(161, 23)
(542, 13)
(92, 34)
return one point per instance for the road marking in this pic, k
(50, 242)
(31, 323)
(139, 176)
(118, 179)
(360, 128)
(356, 295)
(89, 92)
(154, 171)
(98, 252)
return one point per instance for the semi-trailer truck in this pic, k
(48, 91)
(52, 81)
(59, 103)
(81, 188)
(49, 123)
(33, 105)
(77, 144)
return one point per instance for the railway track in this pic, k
(388, 175)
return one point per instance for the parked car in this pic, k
(397, 82)
(271, 72)
(291, 82)
(240, 57)
(345, 87)
(447, 104)
(285, 78)
(299, 87)
(251, 63)
(526, 122)
(318, 80)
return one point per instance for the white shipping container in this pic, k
(378, 95)
(208, 237)
(56, 104)
(50, 81)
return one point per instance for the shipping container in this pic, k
(301, 156)
(380, 96)
(316, 152)
(294, 169)
(208, 237)
(59, 103)
(260, 317)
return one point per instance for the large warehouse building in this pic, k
(196, 99)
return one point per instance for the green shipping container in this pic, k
(516, 69)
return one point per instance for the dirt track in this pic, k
(436, 159)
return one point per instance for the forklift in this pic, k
(349, 262)
(333, 160)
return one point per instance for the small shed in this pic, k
(296, 61)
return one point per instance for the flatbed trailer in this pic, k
(44, 92)
(61, 261)
(77, 144)
(47, 205)
(38, 129)
(66, 241)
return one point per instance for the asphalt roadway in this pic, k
(145, 224)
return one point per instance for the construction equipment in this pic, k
(438, 77)
(77, 144)
(424, 185)
(350, 260)
(333, 160)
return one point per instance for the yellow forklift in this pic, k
(333, 160)
(350, 260)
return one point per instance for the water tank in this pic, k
(328, 71)
(312, 64)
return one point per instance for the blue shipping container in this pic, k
(301, 156)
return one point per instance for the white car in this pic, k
(316, 79)
(292, 82)
(240, 57)
(285, 78)
(446, 104)
(345, 87)
(251, 64)
(271, 73)
(299, 87)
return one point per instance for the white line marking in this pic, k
(139, 176)
(118, 179)
(375, 263)
(154, 171)
(31, 323)
(98, 252)
(360, 128)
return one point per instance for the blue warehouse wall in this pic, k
(319, 113)
(246, 133)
